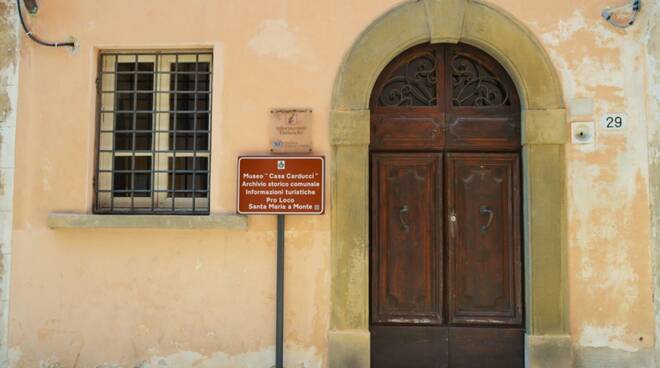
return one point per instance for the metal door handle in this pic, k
(485, 210)
(404, 224)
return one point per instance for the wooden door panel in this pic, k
(409, 347)
(483, 133)
(473, 347)
(406, 238)
(407, 132)
(483, 243)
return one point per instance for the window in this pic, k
(154, 128)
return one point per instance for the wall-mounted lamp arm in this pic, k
(33, 7)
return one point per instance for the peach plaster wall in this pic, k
(182, 298)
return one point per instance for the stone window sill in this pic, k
(92, 221)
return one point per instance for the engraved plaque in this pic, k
(290, 130)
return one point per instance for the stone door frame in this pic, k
(548, 343)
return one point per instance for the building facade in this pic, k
(121, 242)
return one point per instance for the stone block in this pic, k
(349, 349)
(549, 351)
(445, 19)
(350, 243)
(350, 127)
(545, 218)
(544, 126)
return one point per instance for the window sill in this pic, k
(92, 221)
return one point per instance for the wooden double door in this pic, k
(446, 280)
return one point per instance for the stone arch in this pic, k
(544, 133)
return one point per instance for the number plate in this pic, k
(614, 122)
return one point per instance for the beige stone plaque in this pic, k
(291, 130)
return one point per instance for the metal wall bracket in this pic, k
(31, 6)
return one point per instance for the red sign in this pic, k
(270, 185)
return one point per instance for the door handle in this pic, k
(485, 210)
(404, 224)
(452, 223)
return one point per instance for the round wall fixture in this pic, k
(623, 16)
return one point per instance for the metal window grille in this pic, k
(154, 133)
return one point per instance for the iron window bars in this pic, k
(154, 130)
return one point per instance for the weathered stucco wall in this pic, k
(653, 98)
(172, 298)
(184, 298)
(604, 71)
(8, 99)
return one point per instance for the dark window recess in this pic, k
(154, 133)
(187, 178)
(187, 99)
(132, 176)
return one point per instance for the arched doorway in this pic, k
(446, 269)
(514, 46)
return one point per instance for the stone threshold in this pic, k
(59, 220)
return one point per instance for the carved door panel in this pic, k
(483, 240)
(407, 260)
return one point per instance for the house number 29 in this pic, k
(614, 122)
